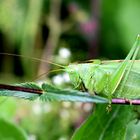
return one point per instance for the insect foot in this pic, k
(109, 108)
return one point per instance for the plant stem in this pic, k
(125, 101)
(39, 91)
(20, 88)
(55, 30)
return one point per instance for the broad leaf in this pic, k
(50, 93)
(53, 93)
(133, 131)
(105, 126)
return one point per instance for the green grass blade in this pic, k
(118, 74)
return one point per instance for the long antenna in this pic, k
(39, 76)
(33, 58)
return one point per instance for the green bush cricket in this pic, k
(110, 79)
(97, 79)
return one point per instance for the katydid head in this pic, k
(72, 70)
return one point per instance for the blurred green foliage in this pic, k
(119, 26)
(10, 131)
(25, 29)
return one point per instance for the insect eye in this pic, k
(72, 72)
